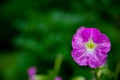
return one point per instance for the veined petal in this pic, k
(84, 33)
(102, 38)
(101, 55)
(103, 43)
(77, 42)
(79, 56)
(94, 33)
(95, 61)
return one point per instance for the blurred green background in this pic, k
(33, 32)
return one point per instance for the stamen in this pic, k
(91, 45)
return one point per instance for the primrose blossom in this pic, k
(90, 47)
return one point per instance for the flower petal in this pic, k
(84, 33)
(77, 42)
(79, 56)
(103, 43)
(95, 61)
(95, 33)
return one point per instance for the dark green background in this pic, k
(33, 32)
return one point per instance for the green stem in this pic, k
(96, 74)
(117, 70)
(58, 63)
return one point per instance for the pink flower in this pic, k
(58, 78)
(31, 73)
(90, 47)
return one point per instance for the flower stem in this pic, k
(96, 74)
(117, 70)
(58, 63)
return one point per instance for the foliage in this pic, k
(33, 32)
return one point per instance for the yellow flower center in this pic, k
(90, 45)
